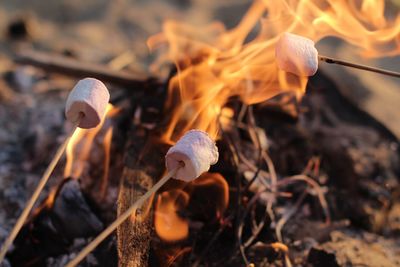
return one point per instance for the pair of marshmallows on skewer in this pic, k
(190, 156)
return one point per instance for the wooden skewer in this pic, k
(28, 207)
(92, 245)
(358, 66)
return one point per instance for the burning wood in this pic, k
(63, 216)
(204, 145)
(134, 235)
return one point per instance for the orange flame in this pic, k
(215, 64)
(78, 149)
(107, 147)
(170, 226)
(78, 152)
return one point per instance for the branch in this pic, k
(72, 67)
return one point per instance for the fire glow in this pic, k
(78, 149)
(215, 64)
(170, 226)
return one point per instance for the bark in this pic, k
(134, 235)
(144, 165)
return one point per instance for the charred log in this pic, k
(144, 164)
(63, 216)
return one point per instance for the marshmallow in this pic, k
(192, 155)
(89, 98)
(297, 55)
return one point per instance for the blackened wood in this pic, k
(73, 214)
(60, 219)
(135, 233)
(144, 165)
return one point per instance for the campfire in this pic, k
(231, 147)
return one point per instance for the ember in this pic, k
(307, 164)
(170, 226)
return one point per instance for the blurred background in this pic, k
(98, 31)
(114, 33)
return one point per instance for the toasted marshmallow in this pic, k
(88, 99)
(296, 54)
(192, 155)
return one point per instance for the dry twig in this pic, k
(69, 66)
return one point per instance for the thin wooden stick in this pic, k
(92, 245)
(28, 207)
(358, 66)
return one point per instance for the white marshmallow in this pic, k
(296, 54)
(89, 98)
(192, 154)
